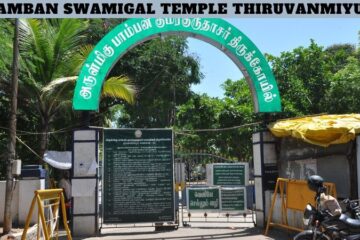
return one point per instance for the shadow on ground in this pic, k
(193, 234)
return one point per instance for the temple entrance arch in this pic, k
(218, 32)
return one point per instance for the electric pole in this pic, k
(12, 132)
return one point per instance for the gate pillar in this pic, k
(84, 183)
(265, 173)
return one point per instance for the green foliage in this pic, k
(204, 112)
(337, 56)
(98, 28)
(119, 88)
(305, 75)
(311, 80)
(302, 79)
(6, 33)
(163, 73)
(53, 52)
(343, 94)
(49, 50)
(200, 112)
(237, 111)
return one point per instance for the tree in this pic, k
(305, 74)
(200, 112)
(6, 41)
(12, 132)
(237, 111)
(98, 28)
(115, 90)
(343, 94)
(6, 31)
(163, 74)
(53, 51)
(337, 55)
(217, 120)
(49, 49)
(302, 79)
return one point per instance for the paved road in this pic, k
(194, 232)
(215, 227)
(186, 233)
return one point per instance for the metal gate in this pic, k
(192, 173)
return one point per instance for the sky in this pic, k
(271, 36)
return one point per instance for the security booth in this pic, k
(325, 145)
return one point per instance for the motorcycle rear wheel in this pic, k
(308, 235)
(311, 238)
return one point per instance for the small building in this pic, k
(325, 145)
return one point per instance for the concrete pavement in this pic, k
(216, 226)
(195, 232)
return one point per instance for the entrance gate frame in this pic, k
(219, 33)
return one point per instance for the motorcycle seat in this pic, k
(350, 222)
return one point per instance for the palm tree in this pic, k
(51, 51)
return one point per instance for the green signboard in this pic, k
(233, 199)
(138, 181)
(230, 174)
(203, 199)
(215, 31)
(217, 199)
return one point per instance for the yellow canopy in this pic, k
(319, 130)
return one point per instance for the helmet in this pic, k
(315, 182)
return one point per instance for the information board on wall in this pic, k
(228, 174)
(203, 199)
(217, 199)
(270, 176)
(138, 180)
(233, 199)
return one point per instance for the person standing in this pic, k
(65, 184)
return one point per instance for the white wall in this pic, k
(27, 189)
(23, 195)
(14, 204)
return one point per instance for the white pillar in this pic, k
(265, 172)
(84, 183)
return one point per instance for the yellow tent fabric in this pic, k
(319, 130)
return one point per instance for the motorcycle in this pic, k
(323, 223)
(352, 208)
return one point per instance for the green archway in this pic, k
(218, 32)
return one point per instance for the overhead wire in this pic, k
(31, 150)
(186, 132)
(61, 130)
(180, 132)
